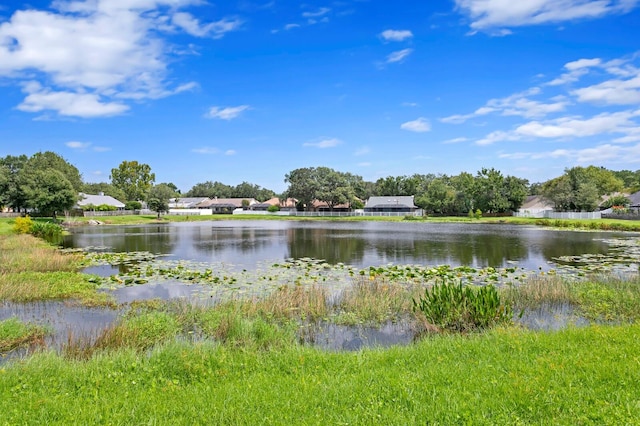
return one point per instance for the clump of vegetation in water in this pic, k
(455, 307)
(46, 230)
(15, 334)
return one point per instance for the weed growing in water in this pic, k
(454, 307)
(14, 334)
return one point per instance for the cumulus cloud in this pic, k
(91, 55)
(396, 35)
(419, 125)
(227, 113)
(488, 15)
(398, 55)
(324, 143)
(600, 154)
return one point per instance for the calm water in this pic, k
(246, 244)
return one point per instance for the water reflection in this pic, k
(247, 244)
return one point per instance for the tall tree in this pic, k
(14, 195)
(158, 198)
(333, 187)
(48, 191)
(4, 186)
(210, 189)
(303, 185)
(51, 161)
(133, 178)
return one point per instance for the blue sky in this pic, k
(249, 90)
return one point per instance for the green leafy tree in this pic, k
(133, 178)
(173, 187)
(13, 194)
(51, 161)
(48, 191)
(581, 188)
(158, 198)
(616, 200)
(303, 185)
(463, 183)
(489, 194)
(210, 189)
(4, 186)
(440, 197)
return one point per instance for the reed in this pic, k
(15, 333)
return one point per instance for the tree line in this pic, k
(49, 184)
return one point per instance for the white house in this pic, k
(98, 200)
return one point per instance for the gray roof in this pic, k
(185, 203)
(536, 202)
(98, 200)
(390, 201)
(634, 199)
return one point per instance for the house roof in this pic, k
(536, 202)
(634, 199)
(186, 202)
(226, 202)
(98, 200)
(390, 202)
(275, 201)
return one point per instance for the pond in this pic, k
(245, 247)
(246, 244)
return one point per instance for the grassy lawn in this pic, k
(586, 376)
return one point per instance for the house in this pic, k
(226, 205)
(88, 200)
(634, 201)
(186, 203)
(288, 204)
(396, 204)
(322, 206)
(535, 206)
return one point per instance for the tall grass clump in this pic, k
(14, 334)
(46, 230)
(454, 307)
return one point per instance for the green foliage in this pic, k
(158, 198)
(616, 200)
(42, 161)
(14, 333)
(22, 225)
(478, 214)
(273, 208)
(133, 178)
(46, 230)
(132, 205)
(452, 306)
(48, 191)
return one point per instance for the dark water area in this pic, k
(246, 244)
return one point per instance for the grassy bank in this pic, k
(15, 334)
(31, 269)
(574, 377)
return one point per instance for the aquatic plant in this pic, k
(455, 307)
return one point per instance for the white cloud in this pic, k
(78, 145)
(324, 143)
(230, 152)
(455, 140)
(95, 52)
(291, 26)
(316, 14)
(600, 154)
(619, 122)
(85, 105)
(101, 148)
(611, 92)
(517, 104)
(228, 113)
(419, 125)
(396, 35)
(216, 29)
(398, 55)
(487, 15)
(206, 150)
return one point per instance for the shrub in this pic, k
(46, 230)
(106, 208)
(478, 214)
(452, 306)
(22, 225)
(132, 205)
(273, 208)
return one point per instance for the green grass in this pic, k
(31, 270)
(14, 333)
(586, 376)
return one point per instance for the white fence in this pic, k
(191, 212)
(548, 214)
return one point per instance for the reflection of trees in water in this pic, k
(245, 240)
(572, 244)
(332, 245)
(478, 249)
(159, 239)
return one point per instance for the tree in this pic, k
(440, 197)
(333, 187)
(133, 178)
(158, 198)
(302, 185)
(48, 191)
(580, 188)
(173, 187)
(210, 190)
(13, 193)
(4, 186)
(489, 193)
(51, 161)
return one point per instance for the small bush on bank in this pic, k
(46, 230)
(273, 208)
(22, 225)
(454, 307)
